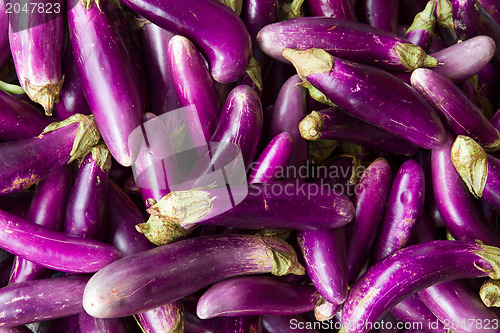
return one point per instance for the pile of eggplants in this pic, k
(250, 166)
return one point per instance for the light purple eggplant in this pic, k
(370, 202)
(382, 15)
(214, 28)
(163, 97)
(334, 124)
(110, 293)
(19, 119)
(293, 207)
(36, 41)
(413, 268)
(239, 324)
(108, 78)
(289, 109)
(380, 99)
(341, 9)
(85, 210)
(286, 324)
(256, 14)
(461, 213)
(422, 29)
(273, 158)
(166, 318)
(458, 112)
(27, 161)
(256, 295)
(89, 324)
(325, 261)
(192, 82)
(32, 301)
(47, 209)
(350, 40)
(405, 207)
(460, 61)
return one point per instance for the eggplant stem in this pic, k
(11, 88)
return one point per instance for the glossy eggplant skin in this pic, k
(110, 293)
(405, 207)
(256, 295)
(380, 99)
(382, 15)
(413, 310)
(490, 192)
(108, 78)
(341, 9)
(214, 28)
(413, 268)
(460, 212)
(39, 300)
(458, 112)
(256, 14)
(350, 40)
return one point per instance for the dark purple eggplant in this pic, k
(414, 268)
(5, 53)
(47, 209)
(193, 84)
(380, 98)
(256, 14)
(27, 161)
(89, 324)
(492, 7)
(341, 9)
(405, 207)
(276, 206)
(15, 329)
(108, 78)
(212, 26)
(382, 14)
(287, 324)
(123, 288)
(344, 39)
(240, 324)
(256, 295)
(325, 261)
(335, 124)
(413, 310)
(32, 301)
(422, 29)
(273, 158)
(36, 40)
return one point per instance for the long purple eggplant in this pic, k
(335, 124)
(405, 207)
(193, 83)
(256, 295)
(108, 78)
(382, 14)
(413, 310)
(341, 9)
(25, 162)
(453, 106)
(256, 14)
(212, 26)
(276, 206)
(379, 99)
(19, 119)
(344, 39)
(414, 268)
(47, 209)
(239, 324)
(273, 158)
(459, 210)
(123, 288)
(422, 29)
(370, 202)
(44, 299)
(325, 261)
(36, 40)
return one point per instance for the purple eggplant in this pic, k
(193, 83)
(27, 161)
(370, 202)
(326, 310)
(382, 14)
(380, 98)
(212, 26)
(286, 324)
(123, 288)
(344, 39)
(166, 318)
(256, 14)
(274, 157)
(405, 207)
(36, 40)
(19, 119)
(341, 9)
(240, 324)
(422, 29)
(492, 7)
(256, 295)
(89, 324)
(325, 261)
(108, 78)
(276, 206)
(288, 110)
(413, 310)
(5, 53)
(459, 210)
(456, 110)
(335, 124)
(414, 268)
(15, 329)
(47, 209)
(44, 299)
